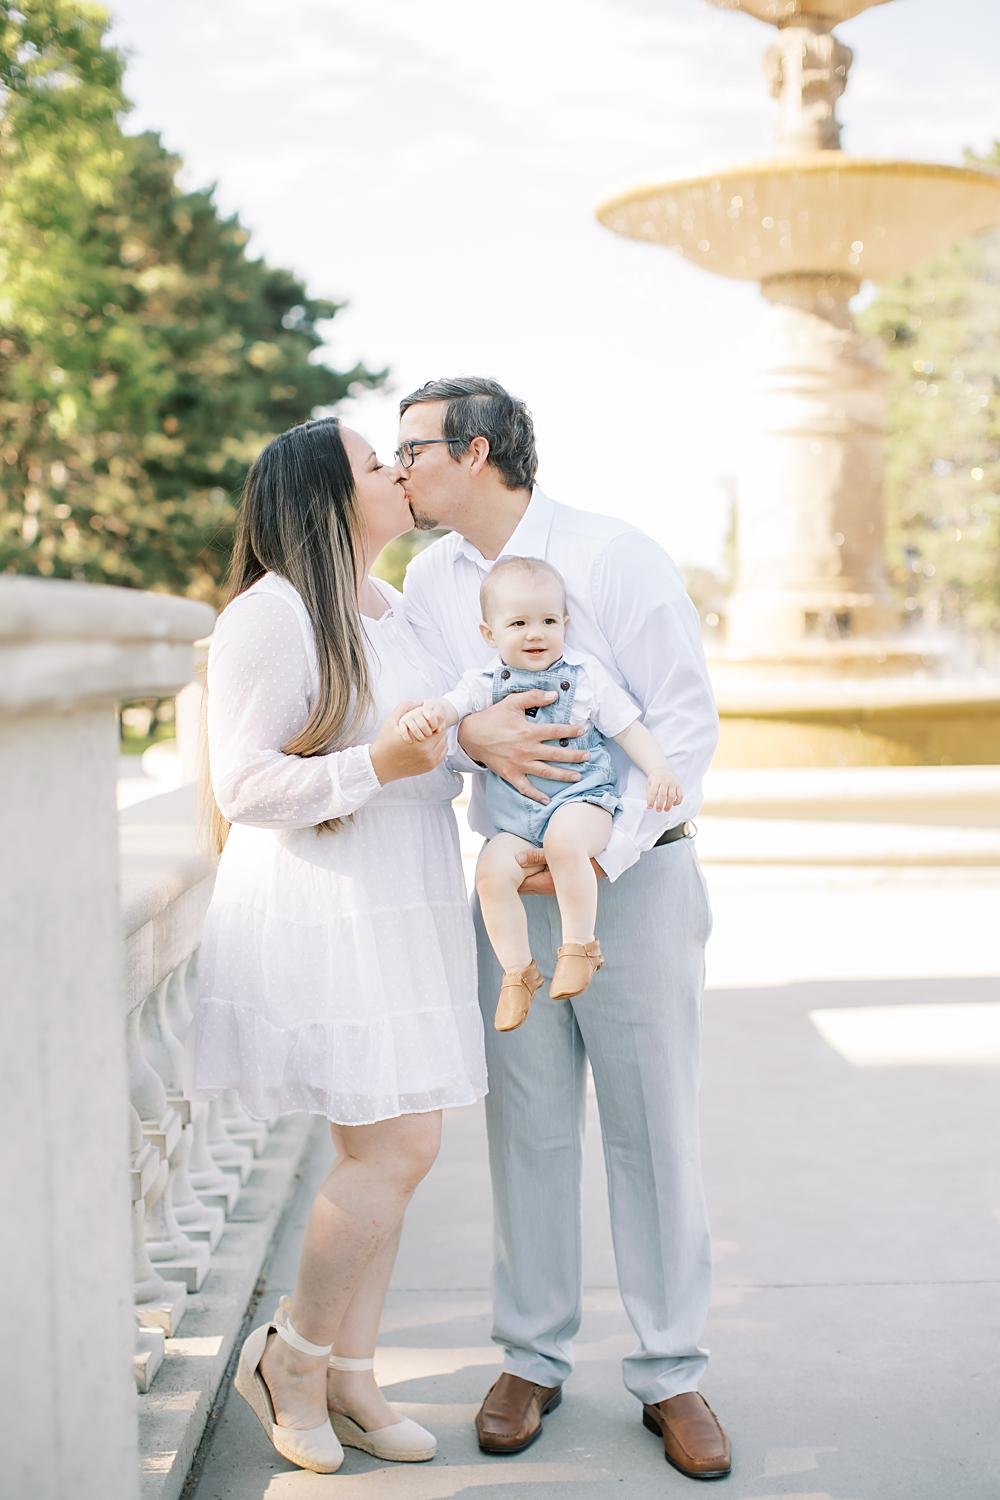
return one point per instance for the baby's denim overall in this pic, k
(511, 810)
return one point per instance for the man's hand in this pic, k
(514, 746)
(538, 882)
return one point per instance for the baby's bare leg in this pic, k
(574, 835)
(498, 876)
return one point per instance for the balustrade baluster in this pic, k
(166, 1242)
(242, 1127)
(184, 995)
(198, 1220)
(214, 1188)
(158, 1303)
(234, 1159)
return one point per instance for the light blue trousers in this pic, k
(639, 1025)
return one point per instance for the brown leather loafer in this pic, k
(511, 1416)
(576, 965)
(693, 1439)
(517, 990)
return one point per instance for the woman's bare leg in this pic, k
(356, 1210)
(498, 876)
(574, 835)
(355, 1391)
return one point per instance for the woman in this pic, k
(338, 960)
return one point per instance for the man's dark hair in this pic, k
(477, 407)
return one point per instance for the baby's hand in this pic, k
(422, 722)
(662, 790)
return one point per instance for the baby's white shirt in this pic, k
(598, 699)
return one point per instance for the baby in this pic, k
(523, 602)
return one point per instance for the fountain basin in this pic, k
(903, 721)
(792, 12)
(824, 212)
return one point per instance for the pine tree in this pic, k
(144, 355)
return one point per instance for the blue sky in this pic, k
(438, 165)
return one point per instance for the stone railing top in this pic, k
(161, 854)
(62, 609)
(166, 881)
(63, 643)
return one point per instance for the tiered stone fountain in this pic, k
(816, 669)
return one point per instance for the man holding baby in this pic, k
(468, 462)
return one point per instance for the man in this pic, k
(467, 459)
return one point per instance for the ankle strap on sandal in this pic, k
(285, 1330)
(339, 1362)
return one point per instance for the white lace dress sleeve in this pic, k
(258, 698)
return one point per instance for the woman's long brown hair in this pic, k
(299, 518)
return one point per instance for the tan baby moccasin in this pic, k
(517, 990)
(576, 965)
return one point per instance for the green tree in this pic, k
(392, 560)
(144, 355)
(940, 326)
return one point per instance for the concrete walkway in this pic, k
(851, 1115)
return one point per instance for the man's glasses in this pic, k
(404, 454)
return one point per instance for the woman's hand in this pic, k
(514, 746)
(393, 757)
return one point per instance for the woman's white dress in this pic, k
(337, 972)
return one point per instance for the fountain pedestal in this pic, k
(811, 514)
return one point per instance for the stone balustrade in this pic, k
(139, 1208)
(208, 1184)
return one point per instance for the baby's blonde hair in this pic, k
(533, 566)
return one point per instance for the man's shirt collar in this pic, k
(530, 537)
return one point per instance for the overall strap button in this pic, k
(564, 686)
(505, 673)
(564, 743)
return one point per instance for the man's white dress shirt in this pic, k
(627, 607)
